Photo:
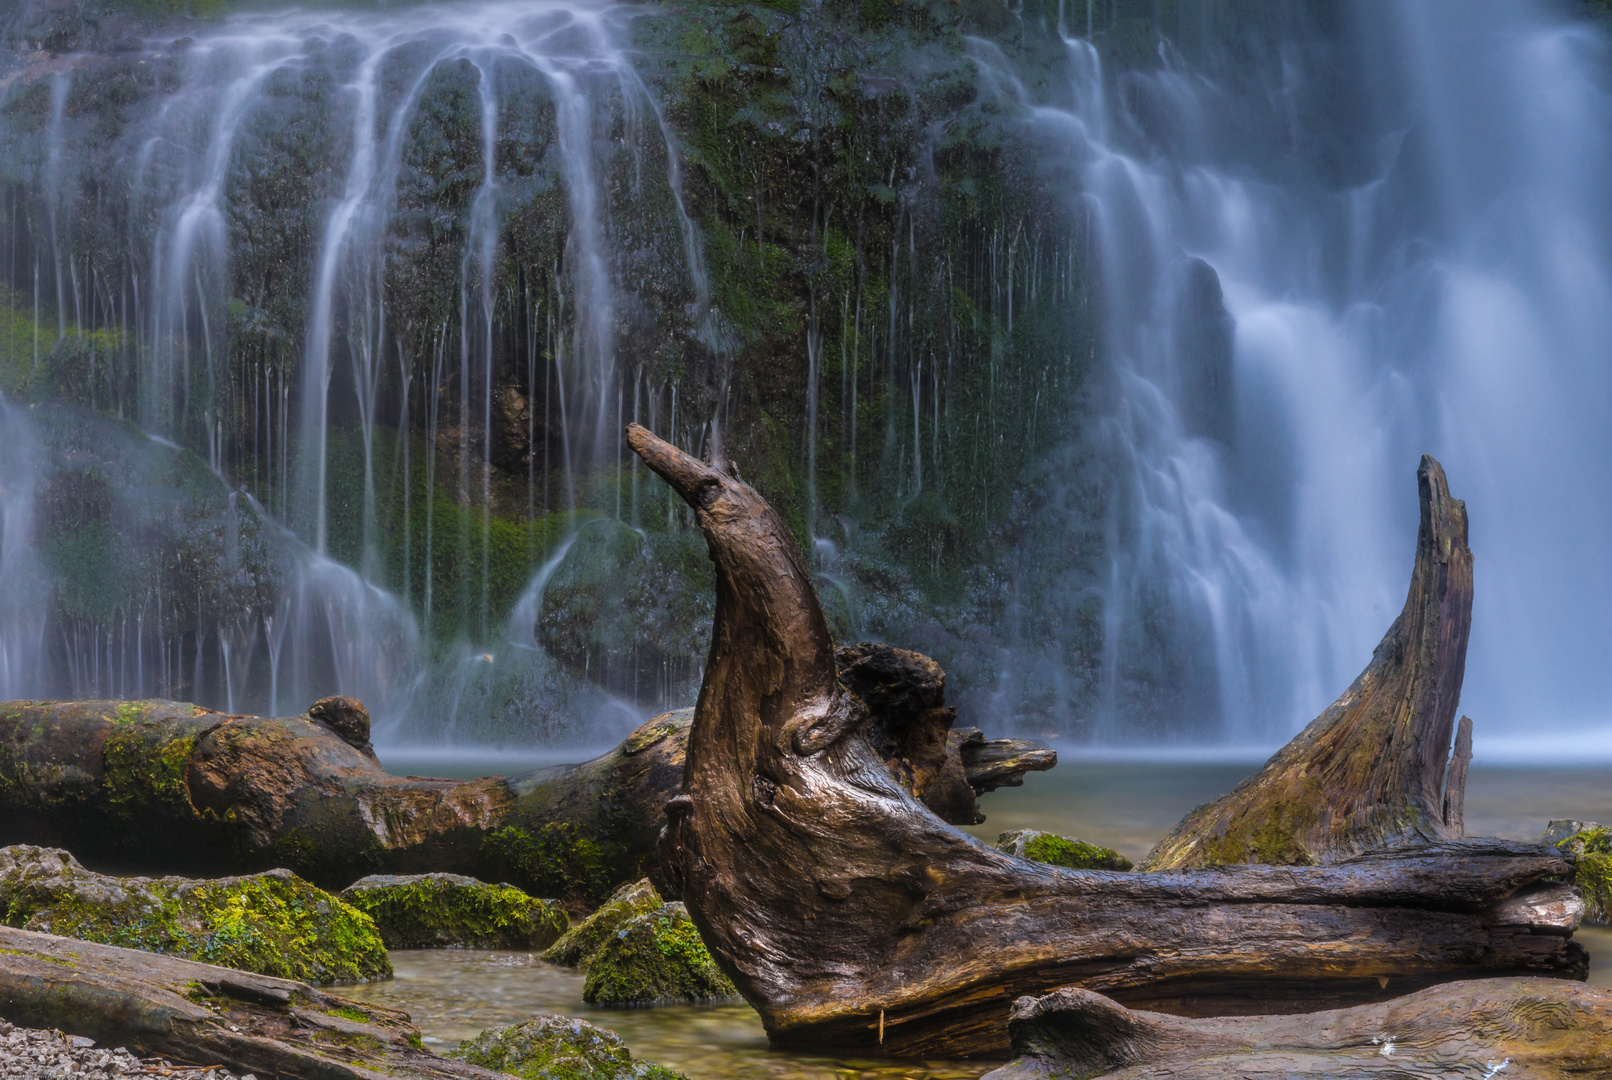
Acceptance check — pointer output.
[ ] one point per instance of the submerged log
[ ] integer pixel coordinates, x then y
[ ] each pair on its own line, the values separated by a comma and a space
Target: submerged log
197, 1014
852, 917
1334, 791
1539, 1028
166, 787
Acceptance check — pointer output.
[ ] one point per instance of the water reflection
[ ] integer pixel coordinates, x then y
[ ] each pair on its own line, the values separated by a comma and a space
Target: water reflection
454, 994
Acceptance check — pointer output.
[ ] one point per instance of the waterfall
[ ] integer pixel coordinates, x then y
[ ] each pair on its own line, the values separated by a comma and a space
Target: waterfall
1389, 237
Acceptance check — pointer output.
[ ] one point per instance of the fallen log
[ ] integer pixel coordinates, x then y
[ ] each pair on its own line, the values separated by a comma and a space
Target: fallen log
167, 787
198, 1014
851, 917
1540, 1028
1333, 792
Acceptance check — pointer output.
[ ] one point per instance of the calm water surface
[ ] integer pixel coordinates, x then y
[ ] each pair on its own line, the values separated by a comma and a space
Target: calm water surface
455, 993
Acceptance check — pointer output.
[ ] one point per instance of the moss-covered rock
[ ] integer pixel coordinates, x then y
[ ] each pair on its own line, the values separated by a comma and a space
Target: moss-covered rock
1060, 851
579, 944
656, 959
1591, 845
433, 911
553, 1047
273, 923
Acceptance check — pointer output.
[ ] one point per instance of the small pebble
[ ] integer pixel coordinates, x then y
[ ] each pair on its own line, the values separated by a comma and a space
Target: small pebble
28, 1054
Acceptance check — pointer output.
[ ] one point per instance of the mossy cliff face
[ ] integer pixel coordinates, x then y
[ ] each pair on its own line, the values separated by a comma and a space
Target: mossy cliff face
433, 911
273, 924
886, 309
553, 1047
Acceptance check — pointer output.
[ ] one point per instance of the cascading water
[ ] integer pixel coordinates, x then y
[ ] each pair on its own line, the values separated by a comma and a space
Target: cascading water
377, 97
1093, 358
1391, 238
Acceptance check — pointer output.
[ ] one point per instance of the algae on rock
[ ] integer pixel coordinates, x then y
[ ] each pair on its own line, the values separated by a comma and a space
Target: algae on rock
554, 1047
583, 941
656, 959
1591, 846
425, 911
272, 923
1062, 851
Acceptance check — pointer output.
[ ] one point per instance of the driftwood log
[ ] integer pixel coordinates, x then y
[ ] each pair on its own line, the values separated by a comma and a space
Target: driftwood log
166, 787
851, 917
1375, 768
1544, 1029
198, 1014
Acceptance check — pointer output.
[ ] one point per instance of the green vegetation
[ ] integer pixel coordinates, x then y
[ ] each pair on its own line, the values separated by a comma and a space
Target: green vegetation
1061, 851
439, 910
584, 940
1593, 872
653, 959
273, 923
557, 859
552, 1047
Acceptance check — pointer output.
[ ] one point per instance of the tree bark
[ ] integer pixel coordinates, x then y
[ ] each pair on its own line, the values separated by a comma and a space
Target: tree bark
1371, 770
165, 787
1539, 1028
203, 1015
851, 917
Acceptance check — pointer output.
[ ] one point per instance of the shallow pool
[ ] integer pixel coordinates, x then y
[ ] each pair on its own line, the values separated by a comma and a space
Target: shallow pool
454, 994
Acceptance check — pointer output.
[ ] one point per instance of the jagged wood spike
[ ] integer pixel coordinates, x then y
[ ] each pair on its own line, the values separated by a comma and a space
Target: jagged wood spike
1369, 771
845, 911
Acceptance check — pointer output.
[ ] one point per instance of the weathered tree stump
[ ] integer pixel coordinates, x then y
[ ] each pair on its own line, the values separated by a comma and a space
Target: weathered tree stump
851, 917
1373, 769
1543, 1029
203, 1015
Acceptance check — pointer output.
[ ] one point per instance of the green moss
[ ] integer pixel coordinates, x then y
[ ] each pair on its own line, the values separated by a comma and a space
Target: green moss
273, 924
1060, 851
551, 1047
1073, 854
439, 910
556, 860
584, 940
653, 959
144, 768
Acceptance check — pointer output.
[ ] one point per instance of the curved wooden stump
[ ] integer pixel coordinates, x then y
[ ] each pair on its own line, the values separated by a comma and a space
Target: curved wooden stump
1543, 1029
1371, 771
852, 918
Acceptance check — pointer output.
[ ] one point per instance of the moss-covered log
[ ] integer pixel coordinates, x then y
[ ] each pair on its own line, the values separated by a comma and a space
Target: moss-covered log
1540, 1028
203, 1015
167, 787
850, 916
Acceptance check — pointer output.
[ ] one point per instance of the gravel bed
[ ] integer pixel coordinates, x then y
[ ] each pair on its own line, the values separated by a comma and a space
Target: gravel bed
51, 1055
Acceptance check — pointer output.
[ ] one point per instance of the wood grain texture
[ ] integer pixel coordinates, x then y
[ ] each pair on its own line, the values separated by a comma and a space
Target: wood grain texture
842, 908
204, 1015
1371, 770
1543, 1029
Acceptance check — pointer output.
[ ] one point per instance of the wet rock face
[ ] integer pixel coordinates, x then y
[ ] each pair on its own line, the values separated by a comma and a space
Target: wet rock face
272, 924
433, 911
554, 1047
